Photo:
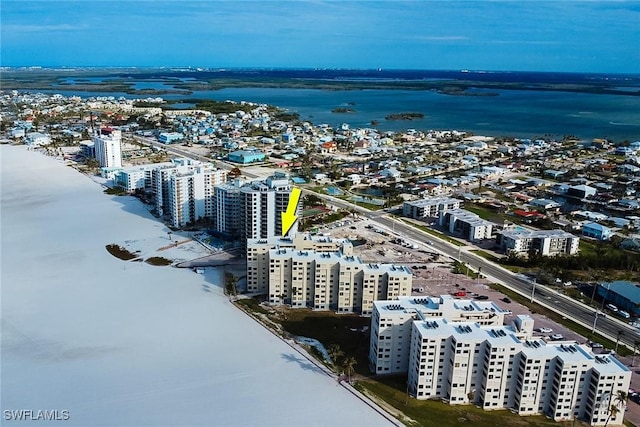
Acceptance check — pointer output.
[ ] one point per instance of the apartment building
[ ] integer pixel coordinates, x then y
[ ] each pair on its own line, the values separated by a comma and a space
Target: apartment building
107, 149
262, 205
258, 254
391, 325
138, 177
228, 208
321, 273
191, 193
545, 242
430, 207
466, 224
492, 365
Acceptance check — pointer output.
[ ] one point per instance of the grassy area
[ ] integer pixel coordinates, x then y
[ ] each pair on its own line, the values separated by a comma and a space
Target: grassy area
437, 413
563, 320
486, 213
120, 252
158, 261
330, 328
346, 331
253, 305
115, 191
433, 232
485, 255
365, 205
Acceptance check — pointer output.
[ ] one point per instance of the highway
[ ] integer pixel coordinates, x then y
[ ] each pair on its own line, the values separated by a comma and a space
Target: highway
606, 325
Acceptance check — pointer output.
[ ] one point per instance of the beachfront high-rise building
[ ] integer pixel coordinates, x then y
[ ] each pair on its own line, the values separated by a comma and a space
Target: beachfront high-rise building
228, 215
321, 273
184, 190
140, 177
262, 205
191, 193
107, 147
459, 351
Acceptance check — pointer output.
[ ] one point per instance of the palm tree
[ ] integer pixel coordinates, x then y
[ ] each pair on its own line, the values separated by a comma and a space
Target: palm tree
621, 398
348, 364
335, 352
613, 412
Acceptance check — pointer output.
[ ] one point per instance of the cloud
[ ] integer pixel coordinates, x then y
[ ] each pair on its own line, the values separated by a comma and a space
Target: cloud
530, 42
34, 28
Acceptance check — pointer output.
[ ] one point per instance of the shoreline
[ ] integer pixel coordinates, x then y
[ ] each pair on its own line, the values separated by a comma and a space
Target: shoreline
131, 343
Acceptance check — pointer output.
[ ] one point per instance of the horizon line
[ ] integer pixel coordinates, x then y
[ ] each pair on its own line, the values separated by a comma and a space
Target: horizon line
293, 68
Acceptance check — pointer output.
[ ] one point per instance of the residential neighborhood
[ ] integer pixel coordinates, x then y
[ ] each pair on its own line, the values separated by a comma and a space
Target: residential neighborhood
229, 168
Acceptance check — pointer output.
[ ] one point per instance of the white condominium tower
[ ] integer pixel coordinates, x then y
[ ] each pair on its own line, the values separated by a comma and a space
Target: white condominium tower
262, 205
460, 352
191, 193
228, 208
321, 273
184, 190
107, 147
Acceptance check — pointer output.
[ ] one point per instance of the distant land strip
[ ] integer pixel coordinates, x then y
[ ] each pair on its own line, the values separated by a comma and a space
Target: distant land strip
118, 81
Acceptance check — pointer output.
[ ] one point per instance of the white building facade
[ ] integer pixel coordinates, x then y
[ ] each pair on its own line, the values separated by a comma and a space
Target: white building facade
429, 207
466, 224
545, 242
191, 193
321, 273
107, 146
491, 365
262, 206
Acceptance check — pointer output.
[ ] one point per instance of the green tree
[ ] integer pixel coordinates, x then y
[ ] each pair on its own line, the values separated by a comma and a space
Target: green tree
335, 352
613, 412
348, 364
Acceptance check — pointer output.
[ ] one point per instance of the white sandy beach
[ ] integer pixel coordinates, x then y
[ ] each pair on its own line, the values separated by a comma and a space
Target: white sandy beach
129, 344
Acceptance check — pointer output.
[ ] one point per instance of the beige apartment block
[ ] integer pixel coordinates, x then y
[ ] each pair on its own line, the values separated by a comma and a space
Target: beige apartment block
492, 365
321, 273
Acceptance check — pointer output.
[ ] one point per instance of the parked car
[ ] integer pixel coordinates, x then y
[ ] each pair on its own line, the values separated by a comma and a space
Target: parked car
545, 330
482, 297
556, 337
612, 307
506, 299
624, 314
596, 345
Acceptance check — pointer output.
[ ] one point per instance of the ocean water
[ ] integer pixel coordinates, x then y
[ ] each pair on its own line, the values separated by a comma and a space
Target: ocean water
517, 113
511, 113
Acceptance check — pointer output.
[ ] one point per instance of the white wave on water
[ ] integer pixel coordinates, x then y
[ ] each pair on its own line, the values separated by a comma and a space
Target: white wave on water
624, 124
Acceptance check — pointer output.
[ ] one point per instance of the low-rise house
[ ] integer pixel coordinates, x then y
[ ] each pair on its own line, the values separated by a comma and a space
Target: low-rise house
247, 156
37, 139
597, 231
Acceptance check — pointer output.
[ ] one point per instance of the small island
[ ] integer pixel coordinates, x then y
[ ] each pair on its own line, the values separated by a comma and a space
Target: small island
404, 116
343, 110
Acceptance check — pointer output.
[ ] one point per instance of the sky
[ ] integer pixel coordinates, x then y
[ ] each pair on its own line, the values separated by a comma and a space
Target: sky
565, 36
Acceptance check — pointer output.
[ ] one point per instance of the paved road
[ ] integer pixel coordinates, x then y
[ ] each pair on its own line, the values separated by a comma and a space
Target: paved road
606, 325
173, 149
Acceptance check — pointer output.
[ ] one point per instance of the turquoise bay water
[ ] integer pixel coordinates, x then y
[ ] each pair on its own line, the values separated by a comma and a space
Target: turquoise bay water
517, 113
